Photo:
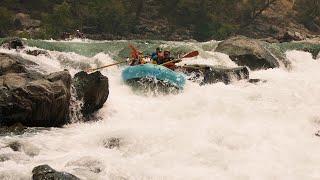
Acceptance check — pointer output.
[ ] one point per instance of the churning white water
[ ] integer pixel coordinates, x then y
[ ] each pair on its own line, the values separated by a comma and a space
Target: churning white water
238, 131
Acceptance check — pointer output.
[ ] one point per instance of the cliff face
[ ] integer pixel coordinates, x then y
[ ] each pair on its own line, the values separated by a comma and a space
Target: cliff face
275, 21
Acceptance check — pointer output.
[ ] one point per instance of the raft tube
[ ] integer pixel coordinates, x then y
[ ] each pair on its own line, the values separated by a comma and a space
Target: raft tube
154, 71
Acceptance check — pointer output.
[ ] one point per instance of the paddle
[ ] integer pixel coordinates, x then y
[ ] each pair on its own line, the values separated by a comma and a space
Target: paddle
102, 67
134, 53
189, 55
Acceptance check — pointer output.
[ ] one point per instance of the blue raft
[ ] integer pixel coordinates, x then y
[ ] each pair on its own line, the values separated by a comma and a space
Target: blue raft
154, 71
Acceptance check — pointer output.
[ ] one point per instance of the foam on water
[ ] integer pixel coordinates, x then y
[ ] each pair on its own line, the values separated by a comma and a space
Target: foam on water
238, 131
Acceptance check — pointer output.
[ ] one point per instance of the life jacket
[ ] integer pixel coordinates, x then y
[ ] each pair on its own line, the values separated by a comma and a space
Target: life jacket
154, 56
134, 52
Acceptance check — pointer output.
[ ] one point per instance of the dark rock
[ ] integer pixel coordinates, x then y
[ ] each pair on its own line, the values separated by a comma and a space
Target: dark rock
27, 97
16, 129
43, 172
37, 52
3, 158
62, 76
291, 36
13, 43
248, 52
112, 143
93, 89
214, 74
255, 81
27, 148
9, 65
15, 146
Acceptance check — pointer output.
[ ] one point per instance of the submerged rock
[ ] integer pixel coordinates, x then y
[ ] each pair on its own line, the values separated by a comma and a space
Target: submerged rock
93, 89
255, 81
43, 172
28, 148
214, 74
13, 43
87, 163
37, 52
248, 52
31, 98
15, 129
112, 143
291, 36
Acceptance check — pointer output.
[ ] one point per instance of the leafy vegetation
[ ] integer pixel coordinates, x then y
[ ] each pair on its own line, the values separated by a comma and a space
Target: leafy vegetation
205, 18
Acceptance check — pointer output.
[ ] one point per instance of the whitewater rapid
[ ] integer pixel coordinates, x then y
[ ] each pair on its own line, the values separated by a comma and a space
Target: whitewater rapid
237, 131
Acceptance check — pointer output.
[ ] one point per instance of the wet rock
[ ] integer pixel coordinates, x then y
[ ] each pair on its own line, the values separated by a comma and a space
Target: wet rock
13, 43
3, 158
248, 52
87, 164
27, 148
112, 143
46, 172
291, 36
16, 129
37, 52
31, 98
255, 81
93, 89
62, 76
15, 146
214, 74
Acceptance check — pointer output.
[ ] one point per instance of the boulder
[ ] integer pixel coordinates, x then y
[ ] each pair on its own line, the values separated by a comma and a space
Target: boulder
291, 36
12, 43
31, 98
248, 52
37, 52
28, 148
46, 172
9, 65
112, 143
15, 129
93, 89
214, 74
256, 81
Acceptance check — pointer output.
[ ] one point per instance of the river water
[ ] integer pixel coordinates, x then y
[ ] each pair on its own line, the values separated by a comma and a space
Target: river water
238, 131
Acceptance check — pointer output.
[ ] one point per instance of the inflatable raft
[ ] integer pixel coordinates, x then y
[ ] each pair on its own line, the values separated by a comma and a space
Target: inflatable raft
155, 73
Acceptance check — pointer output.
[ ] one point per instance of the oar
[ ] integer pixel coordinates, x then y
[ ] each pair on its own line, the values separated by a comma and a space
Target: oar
102, 67
189, 55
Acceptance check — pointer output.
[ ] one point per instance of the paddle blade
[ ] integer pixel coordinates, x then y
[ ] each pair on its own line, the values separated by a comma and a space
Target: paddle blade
191, 54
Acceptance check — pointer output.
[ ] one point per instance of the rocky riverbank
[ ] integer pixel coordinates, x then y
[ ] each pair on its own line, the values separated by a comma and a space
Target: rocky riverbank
43, 100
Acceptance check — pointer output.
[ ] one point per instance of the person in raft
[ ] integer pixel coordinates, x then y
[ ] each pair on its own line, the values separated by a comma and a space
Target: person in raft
136, 58
160, 56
